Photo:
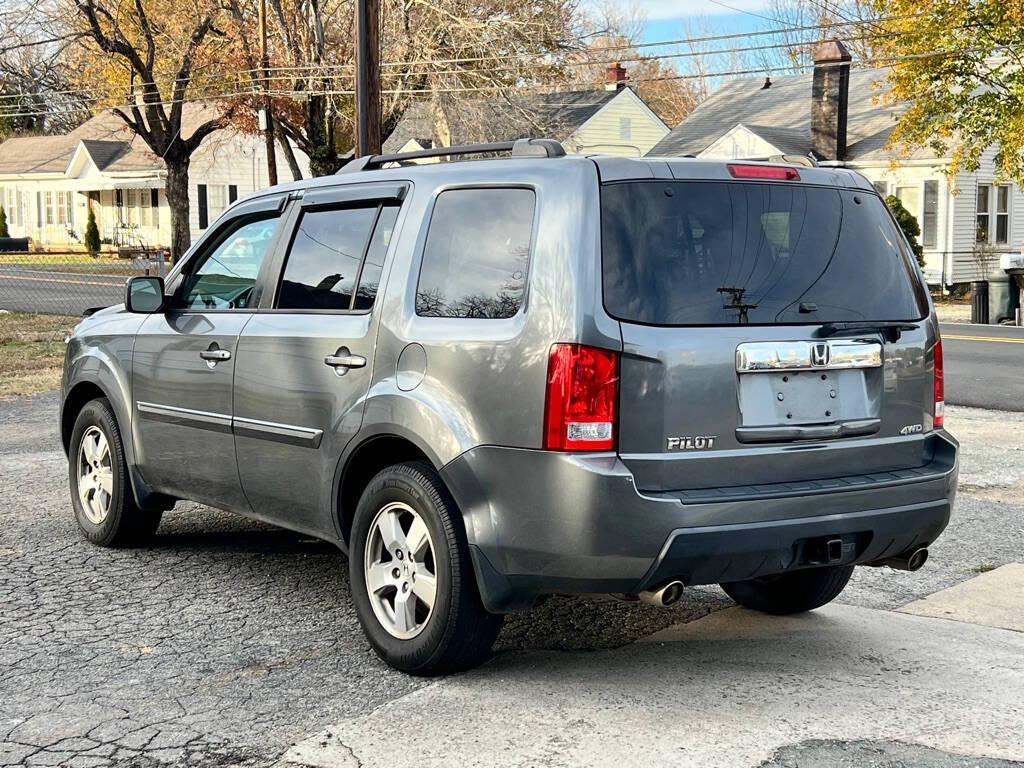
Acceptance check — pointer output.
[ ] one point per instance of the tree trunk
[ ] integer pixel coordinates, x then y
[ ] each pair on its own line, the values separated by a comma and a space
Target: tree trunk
289, 155
177, 200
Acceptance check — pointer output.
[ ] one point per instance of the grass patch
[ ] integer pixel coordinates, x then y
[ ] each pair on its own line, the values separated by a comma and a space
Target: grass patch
984, 568
31, 352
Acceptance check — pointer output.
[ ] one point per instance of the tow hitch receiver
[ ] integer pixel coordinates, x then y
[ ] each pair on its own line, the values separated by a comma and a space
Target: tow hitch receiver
824, 551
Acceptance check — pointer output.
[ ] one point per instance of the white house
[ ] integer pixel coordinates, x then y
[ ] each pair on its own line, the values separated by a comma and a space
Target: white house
48, 183
837, 115
610, 121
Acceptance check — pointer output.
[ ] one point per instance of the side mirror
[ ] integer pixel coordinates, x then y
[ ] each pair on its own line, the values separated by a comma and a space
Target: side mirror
144, 294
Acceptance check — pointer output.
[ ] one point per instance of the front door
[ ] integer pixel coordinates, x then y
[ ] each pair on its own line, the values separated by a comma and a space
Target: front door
184, 364
305, 359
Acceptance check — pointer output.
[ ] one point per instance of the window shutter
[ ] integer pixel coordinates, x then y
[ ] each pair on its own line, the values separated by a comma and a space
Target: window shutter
154, 198
232, 192
39, 209
204, 213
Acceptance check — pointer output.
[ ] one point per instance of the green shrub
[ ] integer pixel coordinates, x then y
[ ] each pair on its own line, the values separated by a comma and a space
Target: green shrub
92, 234
908, 223
3, 224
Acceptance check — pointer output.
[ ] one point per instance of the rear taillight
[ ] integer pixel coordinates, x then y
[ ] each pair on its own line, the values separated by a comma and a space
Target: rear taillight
776, 172
940, 394
579, 407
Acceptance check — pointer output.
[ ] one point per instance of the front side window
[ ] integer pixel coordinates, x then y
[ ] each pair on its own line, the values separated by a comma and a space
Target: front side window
225, 277
334, 263
477, 253
880, 187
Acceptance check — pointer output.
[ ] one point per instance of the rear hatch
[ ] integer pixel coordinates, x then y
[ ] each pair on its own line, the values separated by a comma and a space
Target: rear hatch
757, 327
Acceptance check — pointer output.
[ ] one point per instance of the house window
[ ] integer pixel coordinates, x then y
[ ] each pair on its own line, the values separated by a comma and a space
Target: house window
61, 212
625, 128
930, 215
133, 206
48, 207
881, 187
1002, 214
218, 199
984, 192
145, 209
911, 199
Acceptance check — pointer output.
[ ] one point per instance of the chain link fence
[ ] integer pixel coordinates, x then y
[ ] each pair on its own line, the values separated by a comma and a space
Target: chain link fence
43, 295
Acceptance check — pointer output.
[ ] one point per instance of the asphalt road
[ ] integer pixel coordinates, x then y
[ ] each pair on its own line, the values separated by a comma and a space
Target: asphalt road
53, 289
984, 365
226, 641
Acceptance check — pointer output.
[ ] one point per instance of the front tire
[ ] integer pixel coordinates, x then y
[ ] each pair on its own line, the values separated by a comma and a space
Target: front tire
793, 592
104, 505
412, 579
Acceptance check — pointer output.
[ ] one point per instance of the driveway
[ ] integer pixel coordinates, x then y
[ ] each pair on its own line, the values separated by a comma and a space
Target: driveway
228, 642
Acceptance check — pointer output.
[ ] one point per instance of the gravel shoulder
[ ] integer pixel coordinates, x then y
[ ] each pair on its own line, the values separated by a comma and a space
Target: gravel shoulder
228, 640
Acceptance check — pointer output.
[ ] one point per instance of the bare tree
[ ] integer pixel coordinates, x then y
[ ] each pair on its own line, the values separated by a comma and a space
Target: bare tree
159, 48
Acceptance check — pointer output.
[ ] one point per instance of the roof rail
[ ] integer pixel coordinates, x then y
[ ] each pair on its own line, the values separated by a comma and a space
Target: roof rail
517, 148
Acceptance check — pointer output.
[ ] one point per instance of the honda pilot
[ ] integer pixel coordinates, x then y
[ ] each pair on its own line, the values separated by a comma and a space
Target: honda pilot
495, 379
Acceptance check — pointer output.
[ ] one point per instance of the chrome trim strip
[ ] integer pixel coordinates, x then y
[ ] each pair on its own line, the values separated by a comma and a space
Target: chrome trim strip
280, 433
221, 422
215, 422
762, 356
783, 433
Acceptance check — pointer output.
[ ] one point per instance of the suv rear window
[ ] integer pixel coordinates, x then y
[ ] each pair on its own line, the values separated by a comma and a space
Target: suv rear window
723, 253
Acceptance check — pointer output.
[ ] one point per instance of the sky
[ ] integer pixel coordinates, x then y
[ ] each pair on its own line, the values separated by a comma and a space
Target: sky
666, 18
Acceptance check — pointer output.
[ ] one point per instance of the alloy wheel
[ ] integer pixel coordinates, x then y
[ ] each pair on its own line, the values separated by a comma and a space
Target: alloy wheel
400, 571
95, 475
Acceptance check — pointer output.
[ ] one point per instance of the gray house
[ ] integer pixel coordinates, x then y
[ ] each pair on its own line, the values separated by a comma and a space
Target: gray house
839, 116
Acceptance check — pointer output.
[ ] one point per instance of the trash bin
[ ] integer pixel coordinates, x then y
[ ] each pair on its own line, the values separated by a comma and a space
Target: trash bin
979, 302
1000, 299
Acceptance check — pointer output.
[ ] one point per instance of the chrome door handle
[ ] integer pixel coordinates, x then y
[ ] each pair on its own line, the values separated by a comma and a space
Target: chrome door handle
215, 354
345, 361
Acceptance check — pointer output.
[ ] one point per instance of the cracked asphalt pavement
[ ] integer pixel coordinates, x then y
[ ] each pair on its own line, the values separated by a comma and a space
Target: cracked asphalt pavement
222, 643
226, 641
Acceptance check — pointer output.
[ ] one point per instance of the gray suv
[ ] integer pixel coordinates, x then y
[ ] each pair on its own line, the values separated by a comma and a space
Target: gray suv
492, 380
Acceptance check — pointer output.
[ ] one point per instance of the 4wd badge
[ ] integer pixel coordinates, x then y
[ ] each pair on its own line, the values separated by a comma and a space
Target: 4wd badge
696, 443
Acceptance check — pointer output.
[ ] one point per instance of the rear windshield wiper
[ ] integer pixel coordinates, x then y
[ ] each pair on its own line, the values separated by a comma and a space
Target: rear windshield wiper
891, 329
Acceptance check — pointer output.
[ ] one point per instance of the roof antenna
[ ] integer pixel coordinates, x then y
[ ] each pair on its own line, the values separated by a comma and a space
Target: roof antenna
767, 84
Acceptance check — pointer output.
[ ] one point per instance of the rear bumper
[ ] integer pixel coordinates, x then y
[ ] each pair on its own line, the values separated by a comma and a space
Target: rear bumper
540, 522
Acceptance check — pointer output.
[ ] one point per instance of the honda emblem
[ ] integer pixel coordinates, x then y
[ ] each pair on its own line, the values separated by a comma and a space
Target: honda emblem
820, 354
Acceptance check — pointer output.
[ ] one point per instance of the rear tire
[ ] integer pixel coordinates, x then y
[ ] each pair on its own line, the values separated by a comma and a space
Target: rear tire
406, 525
793, 592
101, 493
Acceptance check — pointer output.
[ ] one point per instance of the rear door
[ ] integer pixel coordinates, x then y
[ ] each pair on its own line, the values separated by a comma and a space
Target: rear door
731, 374
304, 360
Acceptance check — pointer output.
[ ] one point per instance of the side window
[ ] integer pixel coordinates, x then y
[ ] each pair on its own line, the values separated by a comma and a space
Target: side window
477, 253
334, 262
224, 277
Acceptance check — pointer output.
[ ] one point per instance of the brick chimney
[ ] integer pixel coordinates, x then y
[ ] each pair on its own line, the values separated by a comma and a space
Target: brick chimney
830, 91
614, 77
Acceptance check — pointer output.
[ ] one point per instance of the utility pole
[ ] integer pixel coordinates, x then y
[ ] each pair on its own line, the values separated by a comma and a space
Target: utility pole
368, 139
266, 119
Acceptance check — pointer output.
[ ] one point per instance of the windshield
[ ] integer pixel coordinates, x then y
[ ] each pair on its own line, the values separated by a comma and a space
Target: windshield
723, 253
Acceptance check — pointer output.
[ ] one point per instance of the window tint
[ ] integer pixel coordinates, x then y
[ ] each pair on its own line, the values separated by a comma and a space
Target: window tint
323, 263
710, 253
477, 253
225, 277
369, 278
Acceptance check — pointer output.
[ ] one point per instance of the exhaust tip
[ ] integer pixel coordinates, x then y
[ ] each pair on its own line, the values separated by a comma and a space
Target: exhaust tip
665, 596
917, 559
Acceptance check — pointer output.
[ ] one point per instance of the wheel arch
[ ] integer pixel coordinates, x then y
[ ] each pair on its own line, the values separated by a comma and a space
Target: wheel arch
370, 454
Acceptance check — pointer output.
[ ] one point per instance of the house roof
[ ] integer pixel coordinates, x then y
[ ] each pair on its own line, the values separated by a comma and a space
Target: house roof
553, 115
113, 147
781, 115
